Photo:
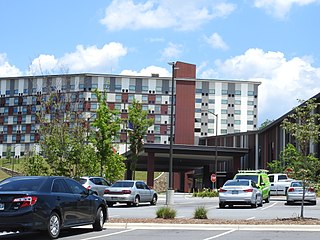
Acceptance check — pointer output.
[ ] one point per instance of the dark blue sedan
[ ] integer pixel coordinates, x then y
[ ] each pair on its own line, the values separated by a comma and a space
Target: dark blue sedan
48, 203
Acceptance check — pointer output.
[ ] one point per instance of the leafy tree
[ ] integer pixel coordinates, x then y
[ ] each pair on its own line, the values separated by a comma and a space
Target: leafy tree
107, 124
265, 123
63, 138
139, 123
303, 126
35, 165
287, 157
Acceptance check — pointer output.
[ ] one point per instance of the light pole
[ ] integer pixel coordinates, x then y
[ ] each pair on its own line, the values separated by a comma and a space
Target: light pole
216, 147
170, 191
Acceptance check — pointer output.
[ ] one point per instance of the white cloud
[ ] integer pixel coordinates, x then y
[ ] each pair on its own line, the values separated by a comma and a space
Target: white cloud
93, 58
172, 51
283, 80
83, 59
216, 41
281, 8
158, 14
44, 64
148, 71
7, 70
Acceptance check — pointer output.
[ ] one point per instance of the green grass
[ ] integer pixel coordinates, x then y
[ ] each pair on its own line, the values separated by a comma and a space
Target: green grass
142, 175
3, 175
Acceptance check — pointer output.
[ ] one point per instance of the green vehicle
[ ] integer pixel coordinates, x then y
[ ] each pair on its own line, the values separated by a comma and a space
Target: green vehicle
260, 177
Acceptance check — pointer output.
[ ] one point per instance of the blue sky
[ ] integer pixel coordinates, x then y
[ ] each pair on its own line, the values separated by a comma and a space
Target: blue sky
275, 42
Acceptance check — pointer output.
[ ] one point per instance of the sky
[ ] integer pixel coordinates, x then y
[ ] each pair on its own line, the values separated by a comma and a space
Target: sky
275, 42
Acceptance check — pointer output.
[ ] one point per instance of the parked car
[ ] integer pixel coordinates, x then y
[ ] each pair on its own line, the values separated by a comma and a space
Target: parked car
295, 192
260, 177
130, 192
48, 203
96, 184
279, 183
240, 192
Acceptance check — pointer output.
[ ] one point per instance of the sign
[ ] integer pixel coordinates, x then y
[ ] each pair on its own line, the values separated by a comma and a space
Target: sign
213, 177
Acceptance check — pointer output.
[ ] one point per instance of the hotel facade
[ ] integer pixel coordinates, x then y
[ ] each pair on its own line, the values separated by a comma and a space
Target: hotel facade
198, 104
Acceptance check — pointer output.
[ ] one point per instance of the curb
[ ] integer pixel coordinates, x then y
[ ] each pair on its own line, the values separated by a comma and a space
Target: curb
240, 227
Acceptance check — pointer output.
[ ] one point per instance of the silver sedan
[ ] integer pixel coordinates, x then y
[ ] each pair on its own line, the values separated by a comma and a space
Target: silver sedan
240, 192
295, 191
130, 192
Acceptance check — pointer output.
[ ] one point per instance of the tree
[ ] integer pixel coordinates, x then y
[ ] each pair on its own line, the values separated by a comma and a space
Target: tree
63, 137
287, 157
107, 124
35, 165
139, 123
303, 126
265, 123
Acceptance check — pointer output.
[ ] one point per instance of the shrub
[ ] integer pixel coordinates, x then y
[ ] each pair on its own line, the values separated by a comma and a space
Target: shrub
206, 193
200, 213
166, 213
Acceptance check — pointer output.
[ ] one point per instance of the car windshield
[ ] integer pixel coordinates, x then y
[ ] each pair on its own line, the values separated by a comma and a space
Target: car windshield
82, 180
237, 183
25, 184
296, 184
250, 177
122, 184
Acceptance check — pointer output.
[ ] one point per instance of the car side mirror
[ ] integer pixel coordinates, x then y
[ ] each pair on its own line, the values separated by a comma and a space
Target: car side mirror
262, 184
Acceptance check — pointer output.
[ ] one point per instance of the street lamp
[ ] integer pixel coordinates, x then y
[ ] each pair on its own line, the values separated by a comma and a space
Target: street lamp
216, 146
170, 191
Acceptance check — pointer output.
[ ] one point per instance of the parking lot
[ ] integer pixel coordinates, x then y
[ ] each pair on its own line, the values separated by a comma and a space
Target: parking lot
185, 205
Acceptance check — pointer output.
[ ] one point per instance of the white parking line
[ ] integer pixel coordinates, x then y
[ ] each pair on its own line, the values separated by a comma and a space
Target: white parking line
221, 234
250, 218
107, 235
264, 208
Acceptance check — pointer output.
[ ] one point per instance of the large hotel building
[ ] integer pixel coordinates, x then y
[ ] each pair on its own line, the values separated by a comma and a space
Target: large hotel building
198, 104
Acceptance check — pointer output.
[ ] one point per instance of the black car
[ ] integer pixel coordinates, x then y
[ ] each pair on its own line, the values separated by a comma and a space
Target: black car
48, 203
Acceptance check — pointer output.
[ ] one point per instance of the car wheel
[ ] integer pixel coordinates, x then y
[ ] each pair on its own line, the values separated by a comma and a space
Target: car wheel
290, 202
261, 202
136, 201
99, 220
54, 225
267, 200
221, 205
255, 204
154, 200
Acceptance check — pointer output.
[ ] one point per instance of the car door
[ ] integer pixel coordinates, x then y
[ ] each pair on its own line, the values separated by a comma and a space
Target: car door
85, 211
66, 201
143, 192
100, 185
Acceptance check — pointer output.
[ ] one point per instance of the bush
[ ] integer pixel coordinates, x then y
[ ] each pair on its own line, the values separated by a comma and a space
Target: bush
206, 193
166, 213
200, 213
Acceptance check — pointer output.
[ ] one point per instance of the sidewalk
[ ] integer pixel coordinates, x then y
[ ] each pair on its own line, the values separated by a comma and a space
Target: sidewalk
239, 227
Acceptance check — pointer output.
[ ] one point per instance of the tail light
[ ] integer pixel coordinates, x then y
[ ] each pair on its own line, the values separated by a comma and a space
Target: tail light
291, 189
26, 201
126, 191
248, 190
88, 187
222, 190
311, 189
106, 191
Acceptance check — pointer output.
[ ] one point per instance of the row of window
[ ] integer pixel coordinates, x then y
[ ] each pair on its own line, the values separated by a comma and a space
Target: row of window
223, 92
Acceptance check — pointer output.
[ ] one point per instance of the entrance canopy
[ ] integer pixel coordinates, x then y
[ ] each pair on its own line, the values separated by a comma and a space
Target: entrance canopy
185, 157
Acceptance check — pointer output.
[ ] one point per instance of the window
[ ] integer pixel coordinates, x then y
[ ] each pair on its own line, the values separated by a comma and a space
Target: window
249, 112
249, 122
224, 111
59, 186
158, 88
237, 122
158, 99
198, 90
237, 112
117, 87
250, 103
132, 87
212, 91
224, 92
224, 101
145, 88
118, 97
224, 121
144, 99
250, 93
198, 100
75, 187
212, 101
237, 92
